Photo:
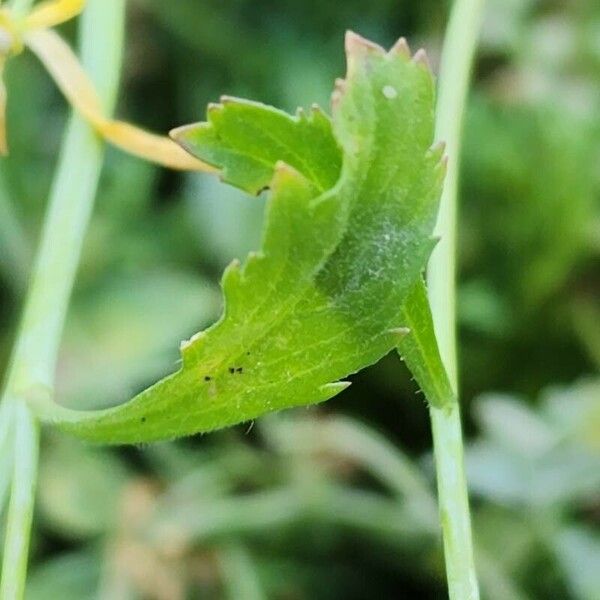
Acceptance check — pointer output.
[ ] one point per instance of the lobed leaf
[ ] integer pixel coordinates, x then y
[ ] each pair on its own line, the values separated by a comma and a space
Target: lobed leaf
337, 280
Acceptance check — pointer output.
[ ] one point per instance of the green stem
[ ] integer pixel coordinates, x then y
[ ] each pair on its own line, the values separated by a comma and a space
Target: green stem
34, 357
454, 503
6, 451
21, 7
20, 513
457, 58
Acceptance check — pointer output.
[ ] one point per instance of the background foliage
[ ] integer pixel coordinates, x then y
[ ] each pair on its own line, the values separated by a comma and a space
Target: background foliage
319, 504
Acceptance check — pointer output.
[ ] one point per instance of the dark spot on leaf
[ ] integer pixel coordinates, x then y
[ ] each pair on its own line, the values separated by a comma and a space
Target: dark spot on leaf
143, 419
231, 370
207, 378
240, 369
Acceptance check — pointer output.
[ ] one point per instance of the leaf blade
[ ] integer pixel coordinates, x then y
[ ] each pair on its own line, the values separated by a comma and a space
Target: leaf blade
347, 236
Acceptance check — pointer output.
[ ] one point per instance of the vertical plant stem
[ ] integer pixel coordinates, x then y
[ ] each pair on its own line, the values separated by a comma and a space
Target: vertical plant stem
6, 452
20, 512
457, 58
34, 357
21, 7
454, 504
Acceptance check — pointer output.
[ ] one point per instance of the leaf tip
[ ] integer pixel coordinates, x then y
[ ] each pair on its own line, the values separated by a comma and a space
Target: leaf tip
181, 135
400, 48
186, 345
329, 390
214, 107
439, 160
438, 149
421, 59
232, 273
434, 240
357, 45
224, 100
442, 168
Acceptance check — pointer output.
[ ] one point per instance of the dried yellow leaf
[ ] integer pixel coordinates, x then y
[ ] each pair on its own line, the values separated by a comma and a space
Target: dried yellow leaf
74, 83
51, 13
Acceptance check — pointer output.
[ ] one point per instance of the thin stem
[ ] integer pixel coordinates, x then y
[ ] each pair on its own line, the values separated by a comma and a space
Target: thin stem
454, 504
20, 513
21, 7
6, 451
457, 58
34, 357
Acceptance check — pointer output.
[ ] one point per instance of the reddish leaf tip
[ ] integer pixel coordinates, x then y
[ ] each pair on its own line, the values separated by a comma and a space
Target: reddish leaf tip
401, 48
420, 58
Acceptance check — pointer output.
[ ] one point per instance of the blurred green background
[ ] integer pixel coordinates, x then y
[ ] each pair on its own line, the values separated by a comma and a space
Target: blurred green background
335, 502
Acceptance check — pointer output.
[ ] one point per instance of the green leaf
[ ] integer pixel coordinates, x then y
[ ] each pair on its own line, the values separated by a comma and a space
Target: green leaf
246, 140
348, 229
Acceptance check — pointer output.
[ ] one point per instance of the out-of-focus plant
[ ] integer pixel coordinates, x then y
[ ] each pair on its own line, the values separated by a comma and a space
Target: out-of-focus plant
538, 205
535, 192
312, 474
541, 466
